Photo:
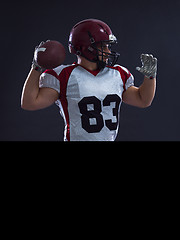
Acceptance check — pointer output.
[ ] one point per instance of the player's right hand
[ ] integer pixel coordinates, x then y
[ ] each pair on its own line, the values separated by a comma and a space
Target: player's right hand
35, 65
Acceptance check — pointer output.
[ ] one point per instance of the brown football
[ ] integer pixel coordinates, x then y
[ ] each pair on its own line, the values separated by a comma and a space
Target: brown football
51, 54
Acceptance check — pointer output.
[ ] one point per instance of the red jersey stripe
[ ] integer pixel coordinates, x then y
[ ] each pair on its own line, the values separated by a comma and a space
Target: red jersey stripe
63, 78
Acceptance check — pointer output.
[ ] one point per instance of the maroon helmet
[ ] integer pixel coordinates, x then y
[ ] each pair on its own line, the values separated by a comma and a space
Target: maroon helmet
89, 34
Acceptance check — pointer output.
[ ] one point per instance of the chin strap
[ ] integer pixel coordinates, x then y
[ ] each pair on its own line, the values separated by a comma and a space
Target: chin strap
112, 56
101, 64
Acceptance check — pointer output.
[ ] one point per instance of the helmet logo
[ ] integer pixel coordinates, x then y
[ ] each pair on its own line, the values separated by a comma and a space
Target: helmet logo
112, 38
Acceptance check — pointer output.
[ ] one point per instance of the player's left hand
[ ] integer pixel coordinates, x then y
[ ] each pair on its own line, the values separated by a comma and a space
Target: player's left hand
149, 66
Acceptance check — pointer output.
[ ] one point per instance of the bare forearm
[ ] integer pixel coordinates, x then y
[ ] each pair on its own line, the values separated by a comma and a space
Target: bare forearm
30, 89
147, 91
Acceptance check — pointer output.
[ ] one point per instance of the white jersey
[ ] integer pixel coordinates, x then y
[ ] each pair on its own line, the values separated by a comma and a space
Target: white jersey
89, 101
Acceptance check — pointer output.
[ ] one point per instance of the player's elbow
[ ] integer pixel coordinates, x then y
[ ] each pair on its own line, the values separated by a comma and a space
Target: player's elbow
28, 106
146, 104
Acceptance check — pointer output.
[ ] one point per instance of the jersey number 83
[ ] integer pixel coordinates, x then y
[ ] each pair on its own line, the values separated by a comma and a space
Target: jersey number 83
92, 117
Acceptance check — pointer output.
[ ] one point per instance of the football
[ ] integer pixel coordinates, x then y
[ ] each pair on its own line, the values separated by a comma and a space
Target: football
51, 54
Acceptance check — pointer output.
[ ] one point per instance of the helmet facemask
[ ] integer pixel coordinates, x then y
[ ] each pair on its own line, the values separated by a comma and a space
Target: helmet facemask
102, 57
105, 58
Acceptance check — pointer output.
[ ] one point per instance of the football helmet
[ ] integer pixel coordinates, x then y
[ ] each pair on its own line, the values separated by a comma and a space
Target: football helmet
87, 39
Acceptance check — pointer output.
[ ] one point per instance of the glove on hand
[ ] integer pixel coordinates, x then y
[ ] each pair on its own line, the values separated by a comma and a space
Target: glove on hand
149, 66
35, 65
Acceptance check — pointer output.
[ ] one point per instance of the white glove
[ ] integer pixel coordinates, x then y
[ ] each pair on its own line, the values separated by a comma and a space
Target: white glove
35, 65
149, 66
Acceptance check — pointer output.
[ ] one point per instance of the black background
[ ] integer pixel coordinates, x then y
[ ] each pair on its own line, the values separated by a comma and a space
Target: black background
140, 27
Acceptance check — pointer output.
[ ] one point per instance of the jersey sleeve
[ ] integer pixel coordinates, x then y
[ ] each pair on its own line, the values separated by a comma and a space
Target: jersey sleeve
49, 79
127, 77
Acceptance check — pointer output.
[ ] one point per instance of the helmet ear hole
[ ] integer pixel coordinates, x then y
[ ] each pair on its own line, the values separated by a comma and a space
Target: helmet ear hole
76, 50
78, 53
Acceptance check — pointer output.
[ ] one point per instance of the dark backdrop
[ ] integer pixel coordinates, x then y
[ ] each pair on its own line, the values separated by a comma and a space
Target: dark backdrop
140, 26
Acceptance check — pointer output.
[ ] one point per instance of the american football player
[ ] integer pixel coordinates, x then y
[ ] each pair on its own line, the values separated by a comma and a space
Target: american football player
89, 93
